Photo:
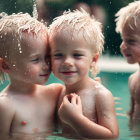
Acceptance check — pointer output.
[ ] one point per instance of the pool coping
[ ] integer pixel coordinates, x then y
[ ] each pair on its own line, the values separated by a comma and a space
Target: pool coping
108, 63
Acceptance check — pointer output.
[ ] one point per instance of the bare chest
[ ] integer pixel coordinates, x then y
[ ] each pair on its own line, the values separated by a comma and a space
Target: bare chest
33, 116
88, 106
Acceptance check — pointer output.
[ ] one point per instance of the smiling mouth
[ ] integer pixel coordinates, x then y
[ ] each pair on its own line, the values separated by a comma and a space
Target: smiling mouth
44, 75
68, 73
127, 55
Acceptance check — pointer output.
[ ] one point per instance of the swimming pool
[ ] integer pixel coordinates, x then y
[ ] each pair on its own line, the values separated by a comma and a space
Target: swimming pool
117, 83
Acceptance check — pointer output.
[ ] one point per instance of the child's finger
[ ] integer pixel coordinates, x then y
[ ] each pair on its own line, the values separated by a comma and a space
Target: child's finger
65, 99
73, 99
79, 100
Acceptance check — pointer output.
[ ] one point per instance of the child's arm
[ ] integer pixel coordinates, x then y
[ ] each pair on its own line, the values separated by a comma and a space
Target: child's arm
6, 116
132, 101
107, 127
131, 111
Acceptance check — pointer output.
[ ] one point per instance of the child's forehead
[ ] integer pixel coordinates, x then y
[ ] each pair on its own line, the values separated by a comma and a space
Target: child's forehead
131, 26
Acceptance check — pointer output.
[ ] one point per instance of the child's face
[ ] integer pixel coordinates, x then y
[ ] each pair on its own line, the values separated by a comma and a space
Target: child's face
130, 46
71, 59
31, 65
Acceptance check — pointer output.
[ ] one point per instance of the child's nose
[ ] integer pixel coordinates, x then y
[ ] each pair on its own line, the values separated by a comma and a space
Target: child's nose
68, 61
123, 46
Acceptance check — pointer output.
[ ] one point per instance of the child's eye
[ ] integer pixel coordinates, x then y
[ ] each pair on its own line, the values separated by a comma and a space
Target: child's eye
58, 55
130, 42
35, 60
77, 55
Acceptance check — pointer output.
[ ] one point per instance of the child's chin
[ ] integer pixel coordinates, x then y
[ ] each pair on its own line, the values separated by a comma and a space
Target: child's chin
131, 61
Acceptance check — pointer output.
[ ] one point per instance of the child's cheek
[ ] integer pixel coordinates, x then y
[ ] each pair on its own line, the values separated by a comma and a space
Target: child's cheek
30, 72
55, 66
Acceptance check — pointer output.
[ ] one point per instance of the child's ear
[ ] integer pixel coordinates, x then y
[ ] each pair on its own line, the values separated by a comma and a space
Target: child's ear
4, 66
95, 58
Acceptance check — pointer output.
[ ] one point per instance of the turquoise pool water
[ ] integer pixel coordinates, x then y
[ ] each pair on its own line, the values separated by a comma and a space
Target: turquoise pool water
117, 83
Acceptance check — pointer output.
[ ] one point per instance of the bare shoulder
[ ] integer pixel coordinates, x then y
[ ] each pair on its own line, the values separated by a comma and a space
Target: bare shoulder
133, 77
103, 95
4, 100
54, 89
7, 112
133, 81
6, 105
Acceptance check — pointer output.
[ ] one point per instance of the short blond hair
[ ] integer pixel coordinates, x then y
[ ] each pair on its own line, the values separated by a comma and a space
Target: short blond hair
131, 12
12, 26
79, 20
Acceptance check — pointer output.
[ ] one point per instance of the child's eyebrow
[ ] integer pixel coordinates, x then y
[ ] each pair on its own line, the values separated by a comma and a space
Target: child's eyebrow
79, 50
34, 55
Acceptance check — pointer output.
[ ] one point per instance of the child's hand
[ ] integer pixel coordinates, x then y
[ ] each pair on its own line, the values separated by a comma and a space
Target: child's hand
70, 108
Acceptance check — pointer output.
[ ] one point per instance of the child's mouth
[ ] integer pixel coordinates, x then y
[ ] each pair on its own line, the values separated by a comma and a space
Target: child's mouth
126, 55
68, 72
44, 75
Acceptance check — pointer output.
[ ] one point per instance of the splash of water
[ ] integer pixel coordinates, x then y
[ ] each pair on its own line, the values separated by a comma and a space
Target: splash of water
35, 13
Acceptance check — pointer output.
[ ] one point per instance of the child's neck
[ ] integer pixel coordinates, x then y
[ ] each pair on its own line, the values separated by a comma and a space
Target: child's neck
76, 87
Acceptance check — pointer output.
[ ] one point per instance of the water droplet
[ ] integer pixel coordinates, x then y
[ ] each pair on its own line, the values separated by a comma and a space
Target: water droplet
35, 13
15, 5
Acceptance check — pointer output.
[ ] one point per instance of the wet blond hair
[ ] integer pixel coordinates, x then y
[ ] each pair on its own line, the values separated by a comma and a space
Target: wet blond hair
79, 21
12, 27
129, 14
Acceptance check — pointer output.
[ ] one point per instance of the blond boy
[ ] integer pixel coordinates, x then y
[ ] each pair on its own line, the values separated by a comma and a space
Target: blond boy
87, 109
26, 107
128, 25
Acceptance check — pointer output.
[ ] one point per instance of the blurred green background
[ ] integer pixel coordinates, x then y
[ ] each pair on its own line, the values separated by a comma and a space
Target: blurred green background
56, 7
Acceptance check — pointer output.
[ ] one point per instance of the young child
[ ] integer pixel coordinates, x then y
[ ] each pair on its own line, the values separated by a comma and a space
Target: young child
26, 107
127, 24
76, 40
